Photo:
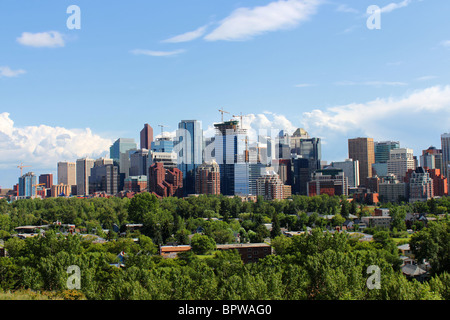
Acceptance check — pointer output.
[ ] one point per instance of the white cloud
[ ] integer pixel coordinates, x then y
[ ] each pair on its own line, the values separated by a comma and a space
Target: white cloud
188, 36
8, 72
394, 6
445, 43
346, 9
157, 53
43, 146
303, 85
364, 116
245, 23
425, 78
49, 39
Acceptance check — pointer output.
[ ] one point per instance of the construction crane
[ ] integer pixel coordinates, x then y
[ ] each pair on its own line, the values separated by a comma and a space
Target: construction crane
241, 116
21, 166
37, 185
162, 129
222, 112
247, 152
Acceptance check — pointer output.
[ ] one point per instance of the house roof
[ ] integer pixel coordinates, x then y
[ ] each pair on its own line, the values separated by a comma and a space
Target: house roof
412, 270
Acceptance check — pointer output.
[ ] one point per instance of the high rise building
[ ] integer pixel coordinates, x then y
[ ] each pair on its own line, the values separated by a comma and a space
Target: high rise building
27, 185
393, 190
47, 179
383, 148
146, 137
401, 160
301, 177
165, 182
189, 148
104, 177
283, 146
351, 170
270, 186
297, 137
330, 181
120, 153
138, 162
230, 149
420, 185
432, 159
136, 184
362, 149
208, 178
445, 146
67, 173
84, 167
168, 159
162, 144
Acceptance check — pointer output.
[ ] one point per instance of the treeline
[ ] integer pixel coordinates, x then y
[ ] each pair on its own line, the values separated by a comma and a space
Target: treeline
316, 266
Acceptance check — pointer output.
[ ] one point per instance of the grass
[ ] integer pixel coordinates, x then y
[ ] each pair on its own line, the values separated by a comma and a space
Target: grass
41, 295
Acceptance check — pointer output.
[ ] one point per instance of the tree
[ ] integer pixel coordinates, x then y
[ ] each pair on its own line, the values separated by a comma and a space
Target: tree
276, 230
142, 204
202, 244
433, 245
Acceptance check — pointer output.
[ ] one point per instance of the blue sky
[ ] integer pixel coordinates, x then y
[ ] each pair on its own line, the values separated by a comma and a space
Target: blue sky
287, 63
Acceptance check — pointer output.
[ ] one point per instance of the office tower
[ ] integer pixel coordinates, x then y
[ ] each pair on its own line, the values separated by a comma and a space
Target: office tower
362, 149
283, 148
67, 173
445, 146
351, 170
420, 185
373, 184
27, 185
432, 158
393, 190
330, 181
138, 162
440, 183
104, 177
230, 149
47, 179
311, 149
189, 148
208, 178
136, 184
383, 148
165, 182
146, 137
168, 159
120, 153
245, 176
269, 186
401, 160
162, 144
84, 167
284, 170
301, 177
297, 137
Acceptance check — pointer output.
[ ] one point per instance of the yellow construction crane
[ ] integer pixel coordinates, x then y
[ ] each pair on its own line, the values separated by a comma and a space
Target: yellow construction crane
21, 166
222, 112
37, 185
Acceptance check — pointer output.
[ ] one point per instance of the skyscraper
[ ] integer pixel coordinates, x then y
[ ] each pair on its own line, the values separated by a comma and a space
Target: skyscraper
351, 170
84, 167
47, 179
67, 173
189, 148
383, 148
362, 149
146, 137
165, 182
445, 146
104, 177
27, 185
120, 153
208, 178
401, 160
229, 143
269, 186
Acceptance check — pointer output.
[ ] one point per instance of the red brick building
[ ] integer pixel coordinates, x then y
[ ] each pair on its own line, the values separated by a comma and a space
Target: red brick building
165, 182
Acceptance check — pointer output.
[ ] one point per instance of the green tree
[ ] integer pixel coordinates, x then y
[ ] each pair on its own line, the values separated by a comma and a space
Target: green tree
202, 244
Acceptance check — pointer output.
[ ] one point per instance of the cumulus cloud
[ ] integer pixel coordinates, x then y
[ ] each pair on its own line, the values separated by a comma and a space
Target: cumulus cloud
43, 146
394, 6
49, 39
9, 73
245, 23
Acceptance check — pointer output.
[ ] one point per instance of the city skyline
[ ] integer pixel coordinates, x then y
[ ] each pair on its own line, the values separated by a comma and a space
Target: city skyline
66, 94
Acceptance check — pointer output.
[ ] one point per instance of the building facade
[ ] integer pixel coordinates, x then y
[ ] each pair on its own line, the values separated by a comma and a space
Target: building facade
362, 149
84, 167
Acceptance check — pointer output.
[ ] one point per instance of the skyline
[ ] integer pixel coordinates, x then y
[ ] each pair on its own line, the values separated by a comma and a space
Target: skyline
69, 93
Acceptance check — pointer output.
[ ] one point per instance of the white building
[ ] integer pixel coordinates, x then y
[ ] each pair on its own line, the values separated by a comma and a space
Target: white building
400, 161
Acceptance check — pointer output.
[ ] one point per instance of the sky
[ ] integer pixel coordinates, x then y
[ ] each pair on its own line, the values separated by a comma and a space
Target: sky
68, 92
